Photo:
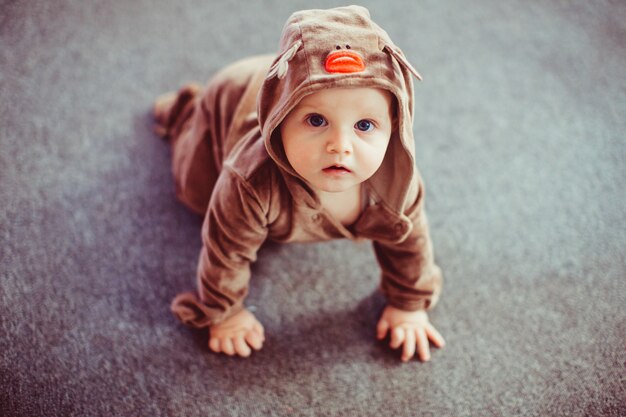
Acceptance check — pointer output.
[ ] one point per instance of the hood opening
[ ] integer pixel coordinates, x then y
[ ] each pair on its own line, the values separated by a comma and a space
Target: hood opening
342, 48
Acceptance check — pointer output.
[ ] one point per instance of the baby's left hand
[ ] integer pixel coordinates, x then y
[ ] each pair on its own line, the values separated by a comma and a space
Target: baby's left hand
409, 328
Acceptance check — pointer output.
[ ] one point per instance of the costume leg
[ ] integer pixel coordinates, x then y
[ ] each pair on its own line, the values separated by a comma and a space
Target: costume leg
198, 122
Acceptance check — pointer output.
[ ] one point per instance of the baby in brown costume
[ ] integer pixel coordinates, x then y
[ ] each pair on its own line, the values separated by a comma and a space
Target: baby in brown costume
313, 144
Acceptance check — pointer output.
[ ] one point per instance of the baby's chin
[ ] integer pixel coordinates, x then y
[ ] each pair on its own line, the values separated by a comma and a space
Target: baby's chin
335, 183
335, 186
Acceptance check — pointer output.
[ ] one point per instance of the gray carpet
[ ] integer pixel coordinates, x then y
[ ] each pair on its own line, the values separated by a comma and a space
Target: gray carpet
520, 132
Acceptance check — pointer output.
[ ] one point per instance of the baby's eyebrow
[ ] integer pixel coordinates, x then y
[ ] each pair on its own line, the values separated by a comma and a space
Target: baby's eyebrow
301, 107
376, 115
373, 113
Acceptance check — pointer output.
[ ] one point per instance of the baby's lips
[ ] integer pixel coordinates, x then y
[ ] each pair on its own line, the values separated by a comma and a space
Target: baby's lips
336, 167
344, 62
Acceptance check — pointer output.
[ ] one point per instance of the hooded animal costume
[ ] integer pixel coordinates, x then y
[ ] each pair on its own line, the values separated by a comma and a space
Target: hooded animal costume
229, 164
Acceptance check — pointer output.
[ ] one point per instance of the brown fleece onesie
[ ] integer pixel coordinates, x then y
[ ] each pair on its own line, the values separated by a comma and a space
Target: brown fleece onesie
229, 164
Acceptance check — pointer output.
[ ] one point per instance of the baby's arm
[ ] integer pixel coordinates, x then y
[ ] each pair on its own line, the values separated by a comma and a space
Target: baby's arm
411, 282
233, 230
409, 329
237, 334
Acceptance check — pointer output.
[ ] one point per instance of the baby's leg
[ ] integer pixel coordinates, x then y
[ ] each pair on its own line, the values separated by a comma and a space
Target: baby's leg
180, 119
199, 123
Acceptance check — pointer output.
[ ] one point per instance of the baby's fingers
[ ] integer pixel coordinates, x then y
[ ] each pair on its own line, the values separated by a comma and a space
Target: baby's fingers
409, 345
258, 327
435, 336
382, 329
423, 349
241, 347
254, 339
214, 344
397, 337
227, 346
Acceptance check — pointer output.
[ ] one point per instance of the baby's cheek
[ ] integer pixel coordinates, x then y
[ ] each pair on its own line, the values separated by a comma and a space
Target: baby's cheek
372, 159
302, 161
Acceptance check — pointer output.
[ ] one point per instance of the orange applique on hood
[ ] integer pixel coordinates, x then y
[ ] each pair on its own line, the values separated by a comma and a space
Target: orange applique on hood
344, 61
342, 48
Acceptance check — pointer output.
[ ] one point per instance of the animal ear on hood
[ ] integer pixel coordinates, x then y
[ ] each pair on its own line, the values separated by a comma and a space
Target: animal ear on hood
281, 66
399, 56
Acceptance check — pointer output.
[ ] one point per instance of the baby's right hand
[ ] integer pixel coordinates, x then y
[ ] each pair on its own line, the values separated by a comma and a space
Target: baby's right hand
237, 334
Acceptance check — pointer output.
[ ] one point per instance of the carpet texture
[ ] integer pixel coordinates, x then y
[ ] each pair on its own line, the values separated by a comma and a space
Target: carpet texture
521, 137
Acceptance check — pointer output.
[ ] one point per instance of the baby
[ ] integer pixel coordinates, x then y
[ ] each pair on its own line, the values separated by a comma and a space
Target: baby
313, 144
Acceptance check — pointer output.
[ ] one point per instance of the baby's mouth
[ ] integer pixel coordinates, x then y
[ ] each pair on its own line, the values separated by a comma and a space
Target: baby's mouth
336, 169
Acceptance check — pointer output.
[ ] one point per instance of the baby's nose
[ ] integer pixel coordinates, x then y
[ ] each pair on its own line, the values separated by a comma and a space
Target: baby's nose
339, 142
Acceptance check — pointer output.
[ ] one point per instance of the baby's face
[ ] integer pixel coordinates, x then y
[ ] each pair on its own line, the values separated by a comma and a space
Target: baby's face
337, 138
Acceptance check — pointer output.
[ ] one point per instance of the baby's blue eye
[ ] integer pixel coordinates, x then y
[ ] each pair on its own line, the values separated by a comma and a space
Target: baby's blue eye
364, 125
316, 120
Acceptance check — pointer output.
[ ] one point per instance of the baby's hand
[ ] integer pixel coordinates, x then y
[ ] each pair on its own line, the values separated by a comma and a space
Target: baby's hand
410, 328
237, 334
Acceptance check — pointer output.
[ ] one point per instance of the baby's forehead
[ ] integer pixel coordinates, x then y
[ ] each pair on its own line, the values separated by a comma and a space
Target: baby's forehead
366, 98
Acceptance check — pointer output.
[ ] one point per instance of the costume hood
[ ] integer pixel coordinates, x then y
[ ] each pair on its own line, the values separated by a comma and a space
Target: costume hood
342, 47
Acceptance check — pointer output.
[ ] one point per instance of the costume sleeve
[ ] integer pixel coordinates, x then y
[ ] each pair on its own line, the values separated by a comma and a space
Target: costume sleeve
410, 279
234, 228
